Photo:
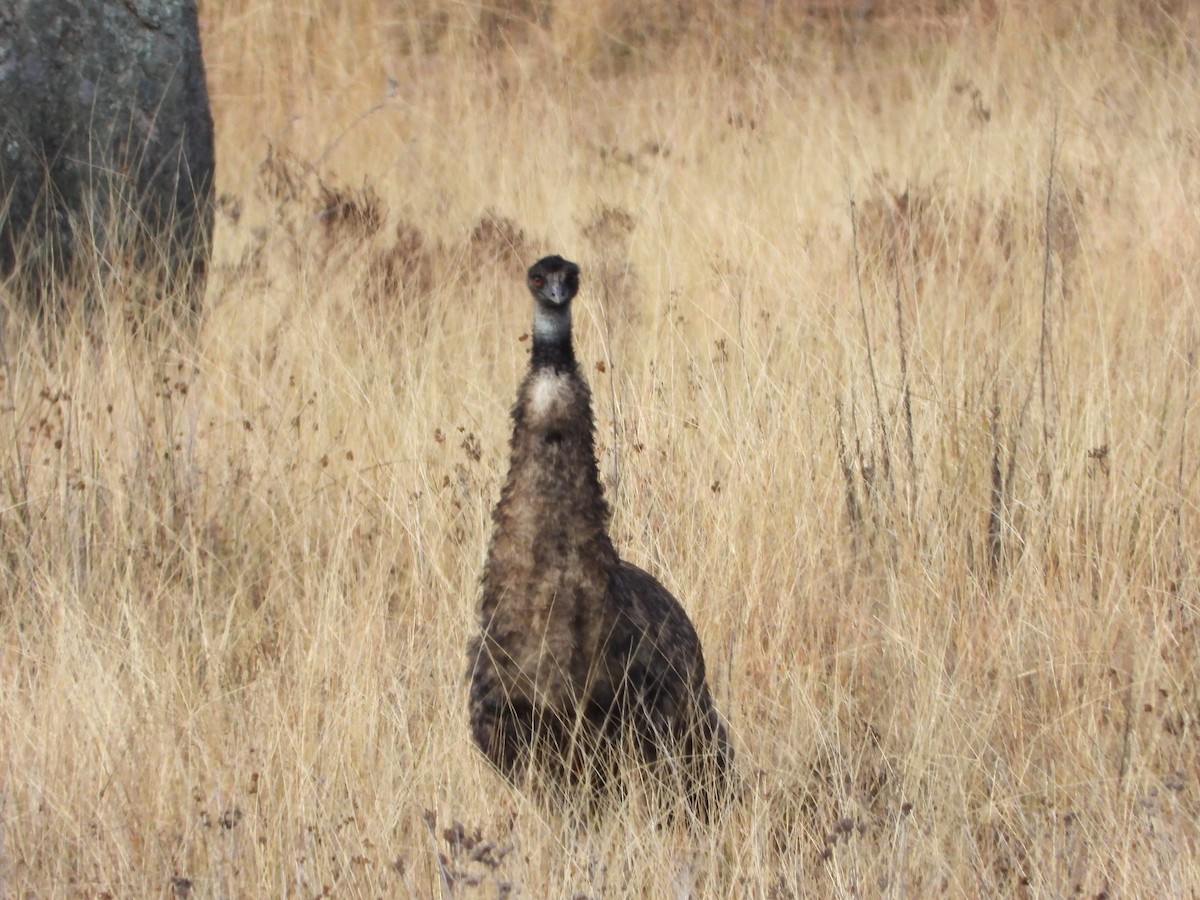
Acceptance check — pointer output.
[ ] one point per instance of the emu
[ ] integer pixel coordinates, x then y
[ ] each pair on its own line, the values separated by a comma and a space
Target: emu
583, 660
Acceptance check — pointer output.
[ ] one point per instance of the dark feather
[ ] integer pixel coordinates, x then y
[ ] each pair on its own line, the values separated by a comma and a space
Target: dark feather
581, 658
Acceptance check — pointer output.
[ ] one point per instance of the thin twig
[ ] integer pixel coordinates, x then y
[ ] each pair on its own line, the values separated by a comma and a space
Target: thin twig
429, 817
1126, 729
995, 543
606, 314
142, 20
1045, 346
311, 167
910, 443
862, 308
1183, 431
853, 511
21, 502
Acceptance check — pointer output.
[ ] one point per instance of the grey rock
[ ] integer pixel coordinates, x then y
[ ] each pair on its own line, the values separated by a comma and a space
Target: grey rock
106, 136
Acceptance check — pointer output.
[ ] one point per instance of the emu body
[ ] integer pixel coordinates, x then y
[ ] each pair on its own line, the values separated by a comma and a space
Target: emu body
580, 656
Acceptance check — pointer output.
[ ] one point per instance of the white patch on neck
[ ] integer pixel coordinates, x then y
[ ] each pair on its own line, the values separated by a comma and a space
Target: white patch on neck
553, 327
548, 393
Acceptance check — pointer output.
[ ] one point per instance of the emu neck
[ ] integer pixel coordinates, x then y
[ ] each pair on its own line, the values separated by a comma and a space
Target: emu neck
551, 561
552, 347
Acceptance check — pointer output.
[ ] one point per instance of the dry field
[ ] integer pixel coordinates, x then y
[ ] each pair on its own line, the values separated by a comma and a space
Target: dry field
892, 322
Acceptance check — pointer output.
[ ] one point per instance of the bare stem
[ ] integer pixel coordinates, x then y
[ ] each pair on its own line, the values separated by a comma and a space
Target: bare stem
1187, 404
862, 308
1045, 346
909, 441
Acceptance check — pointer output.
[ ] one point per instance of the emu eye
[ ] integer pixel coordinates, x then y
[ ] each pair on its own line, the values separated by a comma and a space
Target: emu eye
538, 281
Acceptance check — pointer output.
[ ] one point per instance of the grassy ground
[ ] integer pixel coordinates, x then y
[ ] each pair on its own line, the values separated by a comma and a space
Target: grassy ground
892, 326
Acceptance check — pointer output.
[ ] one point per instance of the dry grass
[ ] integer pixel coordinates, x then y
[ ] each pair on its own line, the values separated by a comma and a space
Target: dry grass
906, 417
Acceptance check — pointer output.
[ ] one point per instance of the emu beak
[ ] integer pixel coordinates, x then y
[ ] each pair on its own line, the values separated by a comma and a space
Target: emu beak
557, 293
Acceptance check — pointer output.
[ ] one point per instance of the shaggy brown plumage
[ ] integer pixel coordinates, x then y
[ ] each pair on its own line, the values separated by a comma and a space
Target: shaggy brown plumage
581, 657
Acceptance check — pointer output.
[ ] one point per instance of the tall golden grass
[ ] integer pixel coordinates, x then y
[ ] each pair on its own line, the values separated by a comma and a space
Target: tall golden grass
891, 322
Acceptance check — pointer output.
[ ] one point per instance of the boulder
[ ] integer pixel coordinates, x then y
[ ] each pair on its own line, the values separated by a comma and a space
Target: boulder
106, 137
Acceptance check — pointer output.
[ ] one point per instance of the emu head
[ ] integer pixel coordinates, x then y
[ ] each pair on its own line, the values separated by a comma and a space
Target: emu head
553, 281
